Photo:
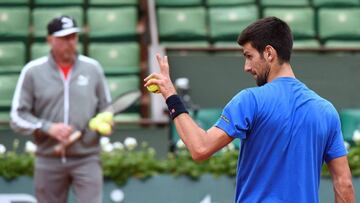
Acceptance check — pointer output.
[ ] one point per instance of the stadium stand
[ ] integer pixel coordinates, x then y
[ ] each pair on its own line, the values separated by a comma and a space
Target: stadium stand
14, 23
322, 3
7, 88
121, 84
112, 2
224, 44
112, 23
284, 3
226, 22
58, 2
117, 58
347, 21
229, 2
15, 2
223, 21
178, 2
308, 23
187, 44
182, 24
12, 57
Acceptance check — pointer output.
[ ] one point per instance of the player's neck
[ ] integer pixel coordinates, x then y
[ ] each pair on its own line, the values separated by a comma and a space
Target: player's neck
283, 70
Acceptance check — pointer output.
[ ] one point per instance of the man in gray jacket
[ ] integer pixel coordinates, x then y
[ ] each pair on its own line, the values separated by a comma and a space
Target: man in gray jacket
56, 95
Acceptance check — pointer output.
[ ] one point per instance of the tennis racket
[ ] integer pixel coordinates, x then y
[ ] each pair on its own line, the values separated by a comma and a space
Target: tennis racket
120, 104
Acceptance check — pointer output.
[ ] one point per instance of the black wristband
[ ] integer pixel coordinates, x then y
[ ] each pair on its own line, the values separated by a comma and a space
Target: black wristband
175, 106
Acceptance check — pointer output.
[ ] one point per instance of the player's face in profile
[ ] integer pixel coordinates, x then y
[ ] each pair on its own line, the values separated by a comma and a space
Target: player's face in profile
255, 64
64, 47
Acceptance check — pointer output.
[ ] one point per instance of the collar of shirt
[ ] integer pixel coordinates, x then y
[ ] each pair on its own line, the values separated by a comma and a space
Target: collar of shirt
65, 70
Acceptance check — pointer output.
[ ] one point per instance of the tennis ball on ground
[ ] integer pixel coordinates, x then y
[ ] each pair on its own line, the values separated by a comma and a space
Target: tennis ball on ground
153, 88
94, 123
104, 128
106, 117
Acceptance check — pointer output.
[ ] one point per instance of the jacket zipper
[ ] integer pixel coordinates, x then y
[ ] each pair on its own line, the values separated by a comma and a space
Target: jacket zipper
66, 83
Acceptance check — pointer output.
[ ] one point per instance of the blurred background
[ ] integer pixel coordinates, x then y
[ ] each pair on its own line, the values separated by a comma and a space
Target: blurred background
199, 36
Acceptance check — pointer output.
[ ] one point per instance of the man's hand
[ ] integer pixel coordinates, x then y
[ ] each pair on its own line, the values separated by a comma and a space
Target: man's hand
162, 79
60, 131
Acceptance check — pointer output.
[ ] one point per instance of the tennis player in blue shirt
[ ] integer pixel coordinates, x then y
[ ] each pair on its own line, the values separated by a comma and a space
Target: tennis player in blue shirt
287, 131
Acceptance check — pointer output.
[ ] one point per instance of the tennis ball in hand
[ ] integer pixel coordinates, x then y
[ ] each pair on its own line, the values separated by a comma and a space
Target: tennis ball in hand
106, 117
104, 128
94, 123
153, 88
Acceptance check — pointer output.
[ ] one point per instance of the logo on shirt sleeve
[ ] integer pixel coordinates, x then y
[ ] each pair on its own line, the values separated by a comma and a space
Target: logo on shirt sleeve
225, 119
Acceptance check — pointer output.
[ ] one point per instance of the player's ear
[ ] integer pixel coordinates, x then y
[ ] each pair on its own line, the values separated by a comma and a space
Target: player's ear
269, 53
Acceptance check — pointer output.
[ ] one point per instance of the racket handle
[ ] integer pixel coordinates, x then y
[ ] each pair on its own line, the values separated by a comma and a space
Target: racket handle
72, 138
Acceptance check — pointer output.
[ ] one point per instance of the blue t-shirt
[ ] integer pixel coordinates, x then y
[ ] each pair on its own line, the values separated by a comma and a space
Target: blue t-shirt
287, 132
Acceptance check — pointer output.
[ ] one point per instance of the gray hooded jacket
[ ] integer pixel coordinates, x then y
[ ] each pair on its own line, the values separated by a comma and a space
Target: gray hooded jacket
43, 96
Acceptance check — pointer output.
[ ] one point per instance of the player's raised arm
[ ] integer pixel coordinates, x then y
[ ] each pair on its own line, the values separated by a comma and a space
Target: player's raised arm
201, 144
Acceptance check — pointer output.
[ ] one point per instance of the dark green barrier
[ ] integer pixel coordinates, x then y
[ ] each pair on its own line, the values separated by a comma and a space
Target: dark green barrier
215, 78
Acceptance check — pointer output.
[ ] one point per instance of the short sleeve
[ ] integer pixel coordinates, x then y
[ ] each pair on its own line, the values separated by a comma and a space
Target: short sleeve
335, 146
238, 115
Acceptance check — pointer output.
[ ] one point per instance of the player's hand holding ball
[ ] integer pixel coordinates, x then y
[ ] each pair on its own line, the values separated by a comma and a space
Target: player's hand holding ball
160, 82
102, 123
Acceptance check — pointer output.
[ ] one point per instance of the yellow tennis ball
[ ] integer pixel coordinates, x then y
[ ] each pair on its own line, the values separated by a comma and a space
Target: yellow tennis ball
106, 117
94, 123
104, 128
153, 88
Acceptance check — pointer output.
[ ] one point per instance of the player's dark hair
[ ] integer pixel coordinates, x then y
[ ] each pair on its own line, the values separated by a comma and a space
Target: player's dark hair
269, 31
